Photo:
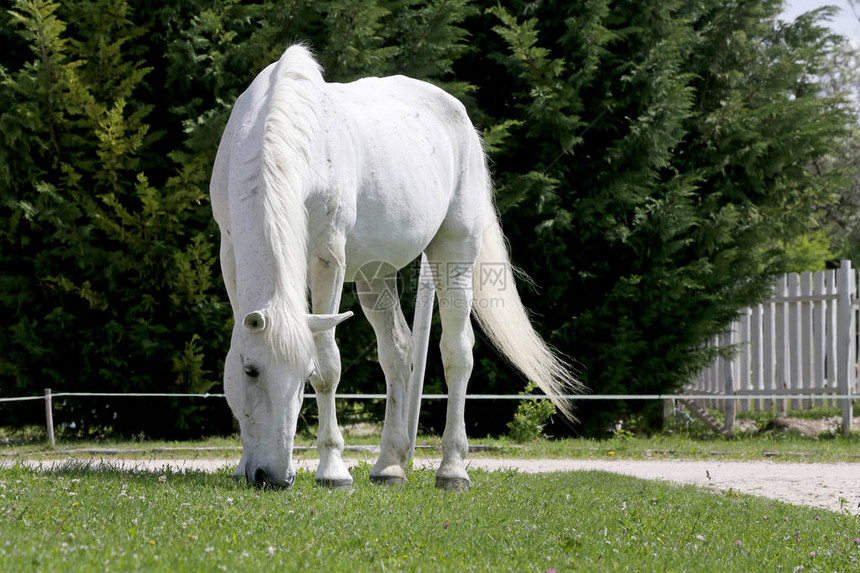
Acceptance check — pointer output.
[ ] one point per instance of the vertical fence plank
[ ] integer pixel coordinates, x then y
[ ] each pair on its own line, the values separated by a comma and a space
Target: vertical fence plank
845, 324
756, 365
729, 381
768, 333
794, 352
832, 303
818, 336
782, 345
713, 381
805, 375
744, 357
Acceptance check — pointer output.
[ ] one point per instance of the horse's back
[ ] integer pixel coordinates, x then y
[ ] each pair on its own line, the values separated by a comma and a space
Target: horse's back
414, 144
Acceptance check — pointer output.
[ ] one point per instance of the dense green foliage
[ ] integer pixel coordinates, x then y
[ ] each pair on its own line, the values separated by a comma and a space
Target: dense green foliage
653, 159
84, 519
657, 163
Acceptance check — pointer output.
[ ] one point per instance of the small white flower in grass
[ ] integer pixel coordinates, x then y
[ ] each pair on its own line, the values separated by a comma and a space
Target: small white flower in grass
162, 479
700, 537
270, 551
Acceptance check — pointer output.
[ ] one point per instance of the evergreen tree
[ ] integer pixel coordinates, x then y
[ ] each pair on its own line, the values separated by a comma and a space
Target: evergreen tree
107, 279
652, 159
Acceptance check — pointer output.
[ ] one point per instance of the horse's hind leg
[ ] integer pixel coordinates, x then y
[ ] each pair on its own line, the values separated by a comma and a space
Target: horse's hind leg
453, 263
327, 271
381, 305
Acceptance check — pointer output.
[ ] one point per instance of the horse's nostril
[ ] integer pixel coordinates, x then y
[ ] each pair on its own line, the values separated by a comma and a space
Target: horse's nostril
260, 477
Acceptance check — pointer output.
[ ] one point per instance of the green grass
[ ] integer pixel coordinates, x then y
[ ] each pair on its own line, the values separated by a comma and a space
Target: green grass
681, 443
85, 519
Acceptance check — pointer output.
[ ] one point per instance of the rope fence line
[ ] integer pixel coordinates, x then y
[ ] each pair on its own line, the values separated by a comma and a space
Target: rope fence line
49, 396
572, 397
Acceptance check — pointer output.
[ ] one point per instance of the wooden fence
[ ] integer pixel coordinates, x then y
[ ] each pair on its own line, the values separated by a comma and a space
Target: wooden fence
796, 350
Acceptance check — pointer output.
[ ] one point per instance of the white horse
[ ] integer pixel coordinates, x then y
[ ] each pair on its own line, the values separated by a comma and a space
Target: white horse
314, 181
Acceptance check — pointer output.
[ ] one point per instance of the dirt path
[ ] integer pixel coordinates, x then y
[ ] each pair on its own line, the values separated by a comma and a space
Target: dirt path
834, 487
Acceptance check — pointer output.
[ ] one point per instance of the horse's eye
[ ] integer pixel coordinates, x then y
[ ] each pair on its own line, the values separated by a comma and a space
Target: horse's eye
252, 371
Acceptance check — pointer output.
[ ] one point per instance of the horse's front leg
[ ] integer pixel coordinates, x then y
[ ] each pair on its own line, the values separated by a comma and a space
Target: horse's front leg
326, 281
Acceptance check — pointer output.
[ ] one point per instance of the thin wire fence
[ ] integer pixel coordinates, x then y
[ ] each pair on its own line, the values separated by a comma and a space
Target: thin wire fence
572, 397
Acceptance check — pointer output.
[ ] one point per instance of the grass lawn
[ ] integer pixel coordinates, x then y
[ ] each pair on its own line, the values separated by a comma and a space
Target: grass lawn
83, 519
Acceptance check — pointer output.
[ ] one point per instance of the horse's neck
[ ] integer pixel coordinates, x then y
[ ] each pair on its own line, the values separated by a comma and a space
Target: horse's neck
256, 276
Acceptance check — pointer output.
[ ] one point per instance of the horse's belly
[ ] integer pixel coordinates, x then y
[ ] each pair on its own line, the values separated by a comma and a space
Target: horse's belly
376, 248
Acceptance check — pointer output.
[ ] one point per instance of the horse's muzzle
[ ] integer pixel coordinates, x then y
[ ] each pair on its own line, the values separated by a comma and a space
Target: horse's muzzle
264, 480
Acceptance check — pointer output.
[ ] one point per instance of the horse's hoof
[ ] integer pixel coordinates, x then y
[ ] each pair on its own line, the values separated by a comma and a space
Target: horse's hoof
387, 480
453, 484
339, 484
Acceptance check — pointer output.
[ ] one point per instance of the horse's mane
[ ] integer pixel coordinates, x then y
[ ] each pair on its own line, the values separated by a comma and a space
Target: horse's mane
291, 125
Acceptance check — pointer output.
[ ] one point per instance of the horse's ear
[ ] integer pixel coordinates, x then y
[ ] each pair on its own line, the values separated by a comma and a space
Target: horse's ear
323, 322
255, 321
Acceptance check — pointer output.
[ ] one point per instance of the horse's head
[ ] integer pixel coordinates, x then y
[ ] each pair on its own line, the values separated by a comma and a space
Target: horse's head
265, 393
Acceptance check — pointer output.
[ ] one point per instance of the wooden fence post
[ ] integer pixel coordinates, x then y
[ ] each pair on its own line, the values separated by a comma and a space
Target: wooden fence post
846, 330
49, 417
668, 412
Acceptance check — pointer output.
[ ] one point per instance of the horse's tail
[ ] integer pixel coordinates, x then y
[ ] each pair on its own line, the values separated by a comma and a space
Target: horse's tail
500, 313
